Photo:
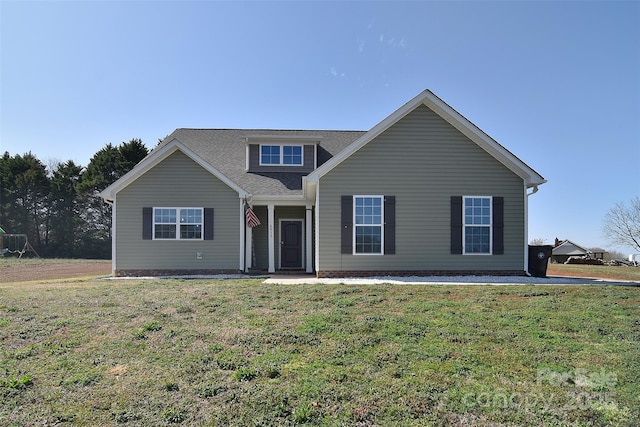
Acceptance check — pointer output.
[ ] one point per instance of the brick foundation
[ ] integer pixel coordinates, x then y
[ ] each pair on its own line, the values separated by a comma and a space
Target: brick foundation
418, 273
157, 273
325, 273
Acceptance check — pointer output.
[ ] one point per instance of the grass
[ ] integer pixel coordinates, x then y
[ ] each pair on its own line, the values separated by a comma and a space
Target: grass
600, 271
13, 261
238, 352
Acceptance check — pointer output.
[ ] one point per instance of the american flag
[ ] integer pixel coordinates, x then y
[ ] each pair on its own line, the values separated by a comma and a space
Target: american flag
252, 219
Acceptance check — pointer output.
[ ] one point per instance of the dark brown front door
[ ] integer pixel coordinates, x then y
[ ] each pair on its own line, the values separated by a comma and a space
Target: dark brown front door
291, 244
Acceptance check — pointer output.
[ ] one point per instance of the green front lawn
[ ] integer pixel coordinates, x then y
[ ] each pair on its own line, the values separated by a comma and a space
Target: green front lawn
238, 352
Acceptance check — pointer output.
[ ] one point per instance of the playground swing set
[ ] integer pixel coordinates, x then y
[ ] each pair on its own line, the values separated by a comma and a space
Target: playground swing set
15, 244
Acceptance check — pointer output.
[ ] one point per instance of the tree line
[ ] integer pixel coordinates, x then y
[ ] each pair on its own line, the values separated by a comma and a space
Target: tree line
58, 206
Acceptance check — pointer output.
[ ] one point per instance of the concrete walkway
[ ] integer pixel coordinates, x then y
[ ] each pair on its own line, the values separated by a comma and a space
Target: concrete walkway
309, 279
445, 280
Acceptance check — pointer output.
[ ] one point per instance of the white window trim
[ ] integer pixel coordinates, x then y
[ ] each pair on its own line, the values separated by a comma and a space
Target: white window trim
177, 223
381, 225
281, 155
464, 226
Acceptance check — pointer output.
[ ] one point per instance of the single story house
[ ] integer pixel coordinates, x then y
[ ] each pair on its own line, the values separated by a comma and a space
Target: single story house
565, 249
423, 192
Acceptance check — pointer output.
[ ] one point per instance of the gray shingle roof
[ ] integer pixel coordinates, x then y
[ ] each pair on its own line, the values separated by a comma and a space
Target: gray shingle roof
225, 150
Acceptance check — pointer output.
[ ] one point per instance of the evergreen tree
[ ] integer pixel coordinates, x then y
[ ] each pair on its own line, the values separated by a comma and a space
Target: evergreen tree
65, 211
105, 167
23, 197
61, 212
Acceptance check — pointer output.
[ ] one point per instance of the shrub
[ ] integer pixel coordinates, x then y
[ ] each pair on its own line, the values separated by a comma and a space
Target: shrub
83, 379
123, 417
211, 390
152, 327
229, 360
174, 415
184, 309
171, 387
303, 413
273, 373
244, 374
17, 383
584, 261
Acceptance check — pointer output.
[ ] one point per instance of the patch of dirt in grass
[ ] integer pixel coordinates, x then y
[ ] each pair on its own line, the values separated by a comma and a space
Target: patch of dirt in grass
117, 370
64, 269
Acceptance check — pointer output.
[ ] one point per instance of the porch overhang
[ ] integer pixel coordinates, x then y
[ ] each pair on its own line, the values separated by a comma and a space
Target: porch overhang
265, 200
273, 241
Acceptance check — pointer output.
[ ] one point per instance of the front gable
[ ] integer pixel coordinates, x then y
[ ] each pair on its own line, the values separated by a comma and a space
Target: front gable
159, 155
422, 148
176, 183
423, 161
427, 99
176, 180
570, 249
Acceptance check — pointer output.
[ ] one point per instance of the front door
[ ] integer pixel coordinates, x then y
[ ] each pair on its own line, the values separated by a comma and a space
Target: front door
291, 244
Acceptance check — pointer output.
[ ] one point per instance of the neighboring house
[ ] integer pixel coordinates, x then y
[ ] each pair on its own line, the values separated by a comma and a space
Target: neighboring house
565, 249
423, 192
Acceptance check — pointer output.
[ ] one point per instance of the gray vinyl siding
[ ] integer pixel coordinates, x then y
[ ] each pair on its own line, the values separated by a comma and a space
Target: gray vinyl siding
307, 160
423, 161
177, 182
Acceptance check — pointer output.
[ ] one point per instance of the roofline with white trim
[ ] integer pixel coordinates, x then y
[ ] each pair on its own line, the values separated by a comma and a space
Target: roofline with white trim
442, 109
157, 156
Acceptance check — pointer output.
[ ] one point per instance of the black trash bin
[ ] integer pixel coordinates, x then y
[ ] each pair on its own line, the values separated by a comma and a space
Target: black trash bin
539, 259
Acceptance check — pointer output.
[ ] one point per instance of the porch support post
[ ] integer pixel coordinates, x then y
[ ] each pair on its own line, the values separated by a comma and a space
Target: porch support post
248, 247
114, 223
243, 240
308, 240
272, 257
317, 231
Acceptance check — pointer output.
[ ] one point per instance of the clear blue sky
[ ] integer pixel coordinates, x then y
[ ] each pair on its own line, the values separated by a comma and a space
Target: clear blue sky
557, 83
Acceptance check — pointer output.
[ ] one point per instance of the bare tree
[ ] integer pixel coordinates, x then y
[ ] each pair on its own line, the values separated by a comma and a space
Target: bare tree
538, 241
622, 224
609, 255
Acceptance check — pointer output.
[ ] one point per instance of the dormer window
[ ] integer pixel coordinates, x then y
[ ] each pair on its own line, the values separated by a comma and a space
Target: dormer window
281, 155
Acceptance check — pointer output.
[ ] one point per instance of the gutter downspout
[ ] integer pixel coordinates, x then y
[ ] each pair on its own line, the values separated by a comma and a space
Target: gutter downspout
526, 227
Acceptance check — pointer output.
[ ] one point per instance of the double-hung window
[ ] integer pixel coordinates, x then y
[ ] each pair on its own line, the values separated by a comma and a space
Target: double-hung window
477, 225
177, 223
276, 155
368, 221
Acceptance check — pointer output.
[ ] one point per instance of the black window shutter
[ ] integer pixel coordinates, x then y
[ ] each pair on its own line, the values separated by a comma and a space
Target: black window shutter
498, 225
389, 225
456, 224
147, 223
346, 225
208, 223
